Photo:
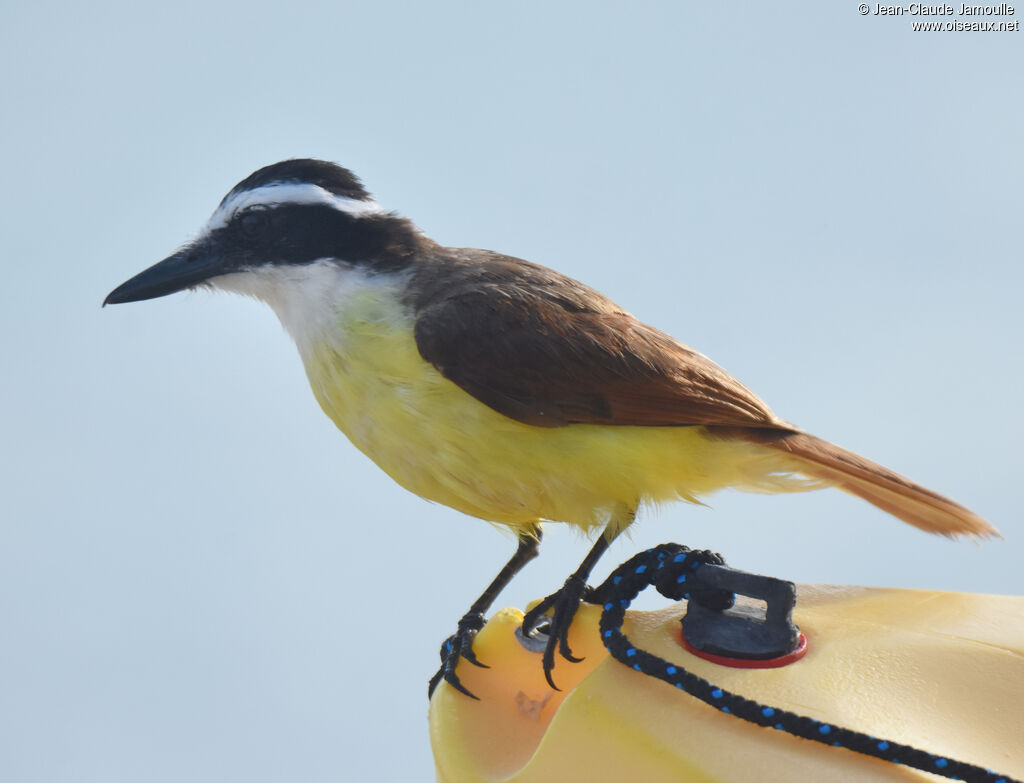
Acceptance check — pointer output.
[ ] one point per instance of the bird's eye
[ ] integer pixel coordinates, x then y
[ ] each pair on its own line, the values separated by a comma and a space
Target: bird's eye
252, 220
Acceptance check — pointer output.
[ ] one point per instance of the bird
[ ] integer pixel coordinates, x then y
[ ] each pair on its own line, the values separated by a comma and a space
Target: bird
502, 388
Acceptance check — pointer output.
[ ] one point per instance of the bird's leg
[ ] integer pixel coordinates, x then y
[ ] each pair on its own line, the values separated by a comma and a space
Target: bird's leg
460, 644
564, 602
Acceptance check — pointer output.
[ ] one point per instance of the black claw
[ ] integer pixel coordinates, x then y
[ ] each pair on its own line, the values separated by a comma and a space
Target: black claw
434, 681
458, 646
471, 657
563, 605
453, 679
533, 618
549, 664
449, 676
565, 652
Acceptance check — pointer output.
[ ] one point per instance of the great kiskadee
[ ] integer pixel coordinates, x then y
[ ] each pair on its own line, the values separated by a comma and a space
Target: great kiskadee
499, 387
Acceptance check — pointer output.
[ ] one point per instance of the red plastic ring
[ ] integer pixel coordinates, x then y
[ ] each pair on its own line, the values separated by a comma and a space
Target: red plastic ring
751, 663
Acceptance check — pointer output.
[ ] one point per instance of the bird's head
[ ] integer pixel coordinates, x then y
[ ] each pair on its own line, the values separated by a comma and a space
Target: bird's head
281, 218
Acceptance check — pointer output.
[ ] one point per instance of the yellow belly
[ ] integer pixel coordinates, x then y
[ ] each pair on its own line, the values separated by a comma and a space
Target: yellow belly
441, 443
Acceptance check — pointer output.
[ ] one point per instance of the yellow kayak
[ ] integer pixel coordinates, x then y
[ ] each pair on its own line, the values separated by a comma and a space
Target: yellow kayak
943, 672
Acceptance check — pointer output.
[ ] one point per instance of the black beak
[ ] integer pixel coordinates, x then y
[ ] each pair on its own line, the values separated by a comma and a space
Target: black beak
188, 267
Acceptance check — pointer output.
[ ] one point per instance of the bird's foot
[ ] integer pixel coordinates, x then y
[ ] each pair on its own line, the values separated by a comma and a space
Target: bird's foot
562, 606
456, 647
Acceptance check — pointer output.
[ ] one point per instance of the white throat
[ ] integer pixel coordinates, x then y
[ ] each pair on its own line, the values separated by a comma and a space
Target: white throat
314, 301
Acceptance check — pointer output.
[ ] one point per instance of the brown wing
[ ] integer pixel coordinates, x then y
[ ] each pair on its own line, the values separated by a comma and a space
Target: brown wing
546, 350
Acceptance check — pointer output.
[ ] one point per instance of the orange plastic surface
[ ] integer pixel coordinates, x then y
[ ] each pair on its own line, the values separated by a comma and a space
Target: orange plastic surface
940, 671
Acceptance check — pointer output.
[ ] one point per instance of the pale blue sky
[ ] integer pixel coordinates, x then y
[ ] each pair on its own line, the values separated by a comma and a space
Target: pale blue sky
827, 204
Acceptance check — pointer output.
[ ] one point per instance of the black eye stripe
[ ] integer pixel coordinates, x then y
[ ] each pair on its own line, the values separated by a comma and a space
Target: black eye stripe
252, 220
301, 233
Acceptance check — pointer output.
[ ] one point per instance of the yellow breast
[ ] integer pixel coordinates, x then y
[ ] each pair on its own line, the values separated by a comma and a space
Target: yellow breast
441, 443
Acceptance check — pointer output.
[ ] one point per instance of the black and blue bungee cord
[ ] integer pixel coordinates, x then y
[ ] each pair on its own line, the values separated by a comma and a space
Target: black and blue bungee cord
668, 568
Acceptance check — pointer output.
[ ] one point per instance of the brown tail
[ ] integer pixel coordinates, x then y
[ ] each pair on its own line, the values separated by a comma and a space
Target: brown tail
890, 491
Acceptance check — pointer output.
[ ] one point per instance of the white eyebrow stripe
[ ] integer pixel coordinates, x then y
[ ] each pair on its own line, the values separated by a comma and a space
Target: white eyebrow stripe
290, 193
